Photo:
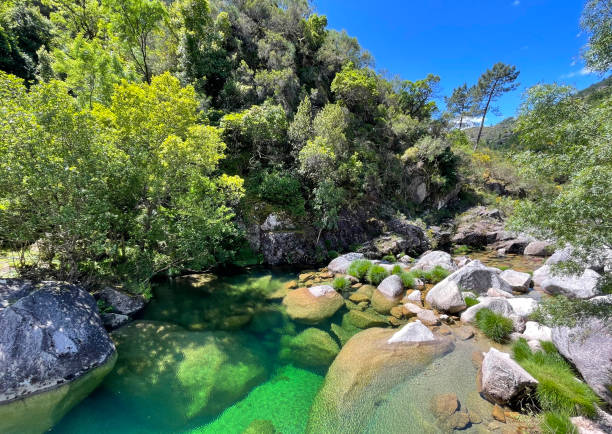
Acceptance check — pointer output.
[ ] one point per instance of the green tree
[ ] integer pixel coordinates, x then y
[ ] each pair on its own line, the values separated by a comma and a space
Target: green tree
414, 97
596, 20
357, 89
76, 17
492, 84
460, 102
300, 129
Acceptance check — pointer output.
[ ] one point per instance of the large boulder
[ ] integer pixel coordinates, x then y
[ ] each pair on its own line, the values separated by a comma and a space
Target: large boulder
430, 260
588, 346
313, 305
503, 381
478, 227
573, 286
446, 296
416, 241
53, 352
286, 247
120, 302
313, 348
182, 374
498, 305
477, 277
537, 248
341, 264
523, 306
517, 280
366, 369
411, 241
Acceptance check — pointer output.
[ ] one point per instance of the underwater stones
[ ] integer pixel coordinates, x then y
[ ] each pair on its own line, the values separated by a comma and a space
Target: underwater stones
312, 348
182, 374
341, 264
260, 426
502, 379
359, 297
313, 305
51, 341
364, 371
366, 319
121, 302
413, 332
430, 260
382, 303
446, 296
464, 332
446, 410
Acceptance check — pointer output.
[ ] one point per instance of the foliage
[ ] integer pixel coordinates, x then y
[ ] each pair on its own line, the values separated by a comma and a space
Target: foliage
558, 389
495, 326
561, 311
470, 301
415, 97
408, 280
557, 423
359, 268
389, 258
460, 103
376, 274
357, 89
281, 189
597, 22
437, 274
341, 284
397, 269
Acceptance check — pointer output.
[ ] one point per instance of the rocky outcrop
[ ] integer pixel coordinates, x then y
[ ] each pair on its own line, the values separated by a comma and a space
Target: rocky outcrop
433, 259
341, 264
394, 244
286, 248
518, 281
51, 341
504, 381
446, 296
120, 302
478, 227
573, 286
312, 305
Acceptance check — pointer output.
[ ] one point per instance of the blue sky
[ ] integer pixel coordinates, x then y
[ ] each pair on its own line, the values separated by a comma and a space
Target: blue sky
458, 40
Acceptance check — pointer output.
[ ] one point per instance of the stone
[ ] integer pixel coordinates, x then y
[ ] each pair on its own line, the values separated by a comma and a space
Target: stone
492, 292
457, 421
515, 246
443, 406
304, 305
588, 346
427, 317
406, 260
365, 371
54, 351
430, 260
572, 286
391, 286
536, 331
523, 306
412, 309
260, 426
414, 296
477, 277
517, 280
395, 322
413, 332
446, 297
503, 380
286, 247
121, 302
464, 332
588, 426
498, 414
537, 248
397, 312
277, 222
358, 298
382, 303
496, 304
367, 319
312, 348
112, 321
462, 261
341, 264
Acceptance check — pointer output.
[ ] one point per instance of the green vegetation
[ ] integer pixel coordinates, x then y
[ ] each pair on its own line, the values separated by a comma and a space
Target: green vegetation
397, 269
470, 301
560, 310
557, 423
496, 327
341, 284
437, 274
407, 280
558, 391
359, 268
376, 274
389, 258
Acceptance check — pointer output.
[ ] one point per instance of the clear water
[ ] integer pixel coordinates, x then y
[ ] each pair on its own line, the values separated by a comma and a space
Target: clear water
205, 359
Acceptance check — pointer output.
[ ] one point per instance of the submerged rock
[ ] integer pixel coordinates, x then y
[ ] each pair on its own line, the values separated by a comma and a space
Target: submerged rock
314, 304
366, 319
313, 348
53, 352
503, 380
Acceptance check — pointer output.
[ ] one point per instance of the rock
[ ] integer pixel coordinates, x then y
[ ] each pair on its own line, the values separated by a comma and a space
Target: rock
477, 277
498, 414
183, 374
365, 370
478, 227
584, 286
53, 352
446, 296
313, 305
391, 286
412, 308
415, 237
457, 421
430, 260
518, 281
358, 298
537, 248
341, 264
427, 317
414, 296
383, 304
514, 246
112, 321
492, 292
277, 222
523, 306
121, 302
405, 260
367, 319
443, 406
588, 346
260, 426
313, 348
464, 332
413, 332
286, 247
462, 261
503, 380
413, 243
536, 331
397, 312
498, 305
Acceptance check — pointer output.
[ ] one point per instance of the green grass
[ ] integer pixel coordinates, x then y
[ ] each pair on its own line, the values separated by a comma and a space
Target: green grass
359, 268
407, 280
461, 250
470, 301
496, 327
557, 423
389, 258
341, 284
558, 391
397, 269
376, 274
438, 274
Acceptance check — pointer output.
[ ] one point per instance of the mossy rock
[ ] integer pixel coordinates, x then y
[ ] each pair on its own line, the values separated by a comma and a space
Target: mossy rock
366, 319
383, 304
259, 426
313, 348
367, 290
359, 297
182, 374
345, 331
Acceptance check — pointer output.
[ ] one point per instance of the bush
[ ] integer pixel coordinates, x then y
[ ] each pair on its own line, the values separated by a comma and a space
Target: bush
332, 254
376, 274
470, 301
407, 280
389, 258
493, 325
419, 274
437, 274
359, 268
557, 423
558, 389
397, 269
280, 189
341, 284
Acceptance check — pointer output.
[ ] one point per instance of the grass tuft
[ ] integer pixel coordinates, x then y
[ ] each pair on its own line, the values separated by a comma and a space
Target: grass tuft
341, 284
557, 423
408, 280
376, 274
359, 268
470, 301
496, 327
397, 269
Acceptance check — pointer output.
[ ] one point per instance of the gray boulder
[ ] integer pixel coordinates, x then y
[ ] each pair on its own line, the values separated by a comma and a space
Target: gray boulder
391, 286
50, 336
341, 264
498, 305
503, 380
517, 280
477, 277
573, 286
537, 248
523, 306
446, 296
436, 258
121, 302
112, 321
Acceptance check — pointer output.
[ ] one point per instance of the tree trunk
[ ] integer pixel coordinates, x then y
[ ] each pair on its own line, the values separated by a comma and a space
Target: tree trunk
484, 114
461, 121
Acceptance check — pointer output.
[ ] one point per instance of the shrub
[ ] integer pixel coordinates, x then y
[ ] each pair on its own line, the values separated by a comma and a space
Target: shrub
493, 325
557, 423
281, 189
359, 268
397, 269
461, 250
341, 284
376, 274
470, 301
419, 274
437, 274
332, 254
389, 258
407, 280
558, 389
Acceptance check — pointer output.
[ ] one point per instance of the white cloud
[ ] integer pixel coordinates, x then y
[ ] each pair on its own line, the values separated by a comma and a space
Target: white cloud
573, 63
583, 71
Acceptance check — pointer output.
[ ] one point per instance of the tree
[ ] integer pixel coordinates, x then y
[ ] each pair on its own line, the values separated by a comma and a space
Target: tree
501, 78
76, 17
596, 20
414, 97
460, 102
357, 89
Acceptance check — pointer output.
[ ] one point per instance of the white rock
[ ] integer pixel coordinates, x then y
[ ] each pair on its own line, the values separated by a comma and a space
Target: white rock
492, 292
503, 379
537, 332
414, 296
584, 286
496, 304
446, 296
427, 317
320, 291
523, 306
430, 260
391, 286
477, 277
412, 332
411, 307
342, 263
518, 281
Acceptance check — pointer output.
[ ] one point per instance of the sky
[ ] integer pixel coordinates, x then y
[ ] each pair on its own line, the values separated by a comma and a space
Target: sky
459, 40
